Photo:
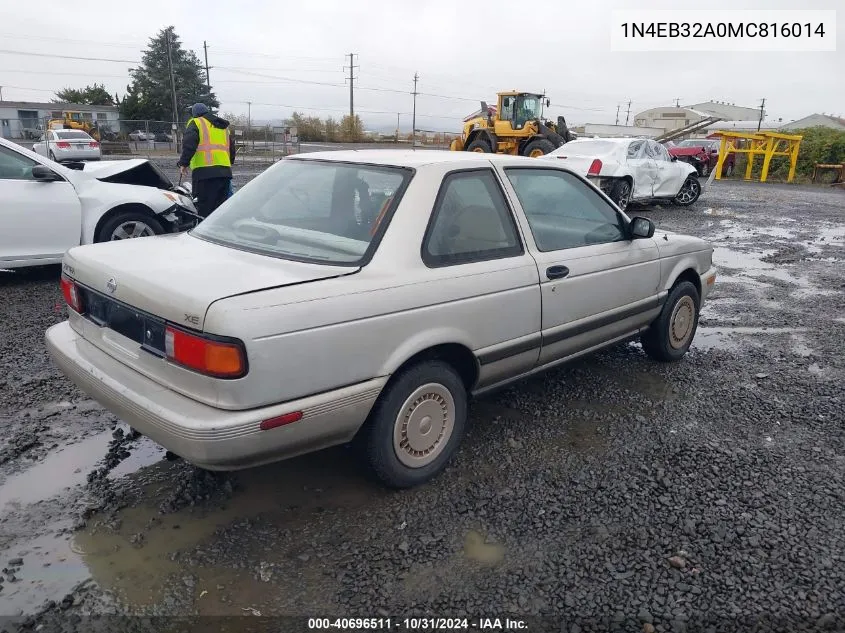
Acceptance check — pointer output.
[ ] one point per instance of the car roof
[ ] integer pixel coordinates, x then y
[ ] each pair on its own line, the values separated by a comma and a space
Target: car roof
410, 157
618, 141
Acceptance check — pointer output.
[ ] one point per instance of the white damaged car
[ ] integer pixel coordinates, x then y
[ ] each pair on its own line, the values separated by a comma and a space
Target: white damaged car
630, 170
47, 208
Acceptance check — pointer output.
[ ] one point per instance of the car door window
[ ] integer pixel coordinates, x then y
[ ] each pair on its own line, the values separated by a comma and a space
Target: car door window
563, 211
471, 222
635, 149
663, 153
14, 166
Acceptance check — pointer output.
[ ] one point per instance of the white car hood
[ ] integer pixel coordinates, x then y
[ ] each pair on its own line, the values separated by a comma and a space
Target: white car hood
670, 243
106, 168
177, 277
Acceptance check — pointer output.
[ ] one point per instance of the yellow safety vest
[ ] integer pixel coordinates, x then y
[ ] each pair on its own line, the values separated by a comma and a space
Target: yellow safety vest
213, 148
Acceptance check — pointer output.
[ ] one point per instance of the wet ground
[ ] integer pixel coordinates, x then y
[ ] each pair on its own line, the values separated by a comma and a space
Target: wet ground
613, 494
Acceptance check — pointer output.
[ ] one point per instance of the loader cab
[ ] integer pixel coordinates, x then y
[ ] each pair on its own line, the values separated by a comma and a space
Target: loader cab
516, 109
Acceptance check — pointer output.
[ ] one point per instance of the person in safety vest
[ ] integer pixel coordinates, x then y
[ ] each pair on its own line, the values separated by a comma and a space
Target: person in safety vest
209, 150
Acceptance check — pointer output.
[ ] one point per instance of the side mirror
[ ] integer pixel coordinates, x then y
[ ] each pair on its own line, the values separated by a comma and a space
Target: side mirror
44, 174
673, 158
641, 228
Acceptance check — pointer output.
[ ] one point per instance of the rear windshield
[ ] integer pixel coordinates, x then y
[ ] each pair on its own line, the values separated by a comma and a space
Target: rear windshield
589, 148
72, 134
316, 211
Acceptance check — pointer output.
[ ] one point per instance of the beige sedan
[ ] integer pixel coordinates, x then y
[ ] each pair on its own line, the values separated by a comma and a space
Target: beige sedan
366, 296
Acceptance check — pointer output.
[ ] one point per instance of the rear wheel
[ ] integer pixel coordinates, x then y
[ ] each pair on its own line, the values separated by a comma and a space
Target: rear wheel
620, 193
52, 156
128, 225
538, 147
481, 146
705, 170
416, 425
689, 193
671, 334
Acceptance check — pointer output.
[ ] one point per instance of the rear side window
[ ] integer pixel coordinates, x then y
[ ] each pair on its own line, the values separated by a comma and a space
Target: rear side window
471, 222
73, 134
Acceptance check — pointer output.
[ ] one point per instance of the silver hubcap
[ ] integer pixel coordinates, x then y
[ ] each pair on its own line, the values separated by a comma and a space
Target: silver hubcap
424, 425
689, 191
128, 230
682, 322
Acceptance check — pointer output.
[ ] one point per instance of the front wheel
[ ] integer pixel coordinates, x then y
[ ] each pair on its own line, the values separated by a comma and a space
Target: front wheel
689, 193
539, 147
671, 334
128, 225
416, 426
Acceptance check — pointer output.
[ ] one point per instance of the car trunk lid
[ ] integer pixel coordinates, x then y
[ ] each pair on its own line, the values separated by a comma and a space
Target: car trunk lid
176, 278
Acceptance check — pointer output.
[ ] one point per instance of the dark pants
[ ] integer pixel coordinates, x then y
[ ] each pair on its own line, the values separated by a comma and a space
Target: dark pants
210, 194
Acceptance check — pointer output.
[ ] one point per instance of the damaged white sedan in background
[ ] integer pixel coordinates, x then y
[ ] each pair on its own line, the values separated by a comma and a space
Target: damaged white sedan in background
48, 208
630, 170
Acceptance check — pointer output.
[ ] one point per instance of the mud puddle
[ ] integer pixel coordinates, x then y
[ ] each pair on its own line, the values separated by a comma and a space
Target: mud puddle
732, 338
69, 467
140, 551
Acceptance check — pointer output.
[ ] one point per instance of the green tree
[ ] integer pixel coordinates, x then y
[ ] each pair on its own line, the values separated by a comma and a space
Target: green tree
351, 129
149, 95
90, 95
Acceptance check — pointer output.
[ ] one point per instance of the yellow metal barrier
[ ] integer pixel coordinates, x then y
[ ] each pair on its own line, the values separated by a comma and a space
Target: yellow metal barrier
753, 144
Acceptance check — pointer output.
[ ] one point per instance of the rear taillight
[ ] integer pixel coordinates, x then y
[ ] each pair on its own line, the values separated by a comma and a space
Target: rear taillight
595, 168
71, 293
93, 144
209, 356
63, 145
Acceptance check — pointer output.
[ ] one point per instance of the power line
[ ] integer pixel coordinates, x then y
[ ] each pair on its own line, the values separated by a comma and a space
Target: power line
90, 59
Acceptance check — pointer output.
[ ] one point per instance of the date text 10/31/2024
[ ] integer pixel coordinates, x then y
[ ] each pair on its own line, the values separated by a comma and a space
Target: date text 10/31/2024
418, 624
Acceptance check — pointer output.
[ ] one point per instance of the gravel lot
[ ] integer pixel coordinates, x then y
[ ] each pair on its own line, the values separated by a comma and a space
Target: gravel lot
613, 494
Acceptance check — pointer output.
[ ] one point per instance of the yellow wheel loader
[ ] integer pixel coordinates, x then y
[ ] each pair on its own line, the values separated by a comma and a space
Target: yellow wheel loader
514, 126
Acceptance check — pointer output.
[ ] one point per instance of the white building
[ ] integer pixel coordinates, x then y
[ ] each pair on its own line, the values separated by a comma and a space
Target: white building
17, 116
816, 120
676, 117
619, 131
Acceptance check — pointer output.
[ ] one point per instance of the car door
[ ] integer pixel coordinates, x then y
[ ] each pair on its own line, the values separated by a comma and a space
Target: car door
40, 147
670, 174
596, 283
39, 220
643, 169
472, 242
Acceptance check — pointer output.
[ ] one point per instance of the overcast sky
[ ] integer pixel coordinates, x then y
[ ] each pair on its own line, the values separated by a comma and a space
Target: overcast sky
461, 49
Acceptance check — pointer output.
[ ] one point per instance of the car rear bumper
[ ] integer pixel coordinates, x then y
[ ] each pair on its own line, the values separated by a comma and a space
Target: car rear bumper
208, 437
76, 154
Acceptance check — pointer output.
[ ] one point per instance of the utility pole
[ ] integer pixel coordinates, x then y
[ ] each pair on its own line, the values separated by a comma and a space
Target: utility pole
627, 116
414, 123
617, 114
351, 78
172, 89
1, 93
207, 75
760, 120
397, 127
249, 122
677, 102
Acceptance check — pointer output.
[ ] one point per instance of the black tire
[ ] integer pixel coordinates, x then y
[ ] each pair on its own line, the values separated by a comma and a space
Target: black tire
620, 193
538, 147
111, 225
377, 439
705, 170
689, 193
665, 342
727, 170
480, 145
